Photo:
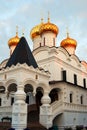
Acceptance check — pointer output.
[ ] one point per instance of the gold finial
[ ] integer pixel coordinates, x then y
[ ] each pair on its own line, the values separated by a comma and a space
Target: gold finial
67, 32
41, 17
48, 16
41, 20
23, 31
16, 30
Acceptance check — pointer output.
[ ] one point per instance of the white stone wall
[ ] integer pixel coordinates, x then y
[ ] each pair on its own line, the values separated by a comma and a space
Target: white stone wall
70, 119
57, 59
36, 42
49, 36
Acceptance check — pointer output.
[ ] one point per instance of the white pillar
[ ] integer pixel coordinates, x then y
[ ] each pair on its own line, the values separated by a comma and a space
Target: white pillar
31, 98
46, 111
19, 112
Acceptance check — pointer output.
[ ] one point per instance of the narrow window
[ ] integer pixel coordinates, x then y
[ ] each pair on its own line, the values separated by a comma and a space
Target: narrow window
64, 75
70, 97
36, 76
44, 41
40, 44
53, 41
0, 101
12, 100
81, 99
84, 83
75, 79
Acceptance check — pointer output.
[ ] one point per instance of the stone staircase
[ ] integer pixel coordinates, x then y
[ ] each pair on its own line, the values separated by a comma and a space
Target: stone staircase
36, 126
57, 108
33, 118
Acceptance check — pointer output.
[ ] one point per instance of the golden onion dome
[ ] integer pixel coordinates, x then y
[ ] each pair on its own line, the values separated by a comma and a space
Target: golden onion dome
35, 30
68, 42
14, 40
49, 27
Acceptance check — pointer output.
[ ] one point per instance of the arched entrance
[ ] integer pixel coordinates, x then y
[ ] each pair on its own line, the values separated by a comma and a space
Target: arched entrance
39, 94
12, 88
57, 122
33, 109
54, 94
2, 90
28, 89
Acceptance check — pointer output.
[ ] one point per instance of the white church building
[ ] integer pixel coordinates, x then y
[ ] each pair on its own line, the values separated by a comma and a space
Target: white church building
45, 88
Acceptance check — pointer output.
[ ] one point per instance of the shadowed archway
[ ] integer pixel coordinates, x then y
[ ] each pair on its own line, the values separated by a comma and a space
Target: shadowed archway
54, 94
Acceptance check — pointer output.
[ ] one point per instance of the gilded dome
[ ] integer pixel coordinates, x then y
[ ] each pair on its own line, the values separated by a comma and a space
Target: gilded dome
14, 40
49, 27
35, 31
68, 42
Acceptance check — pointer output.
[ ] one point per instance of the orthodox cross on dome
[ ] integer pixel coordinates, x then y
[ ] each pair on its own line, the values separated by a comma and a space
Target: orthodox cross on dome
23, 31
48, 17
16, 30
67, 32
41, 20
42, 17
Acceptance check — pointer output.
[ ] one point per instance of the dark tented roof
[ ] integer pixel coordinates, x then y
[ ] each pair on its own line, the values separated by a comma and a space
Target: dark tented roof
22, 54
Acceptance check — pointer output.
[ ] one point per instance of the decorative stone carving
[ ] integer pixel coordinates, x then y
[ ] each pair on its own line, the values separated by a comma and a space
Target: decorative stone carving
19, 113
46, 111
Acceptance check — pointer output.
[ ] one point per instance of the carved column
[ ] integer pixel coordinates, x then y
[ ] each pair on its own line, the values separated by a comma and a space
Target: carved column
19, 112
46, 111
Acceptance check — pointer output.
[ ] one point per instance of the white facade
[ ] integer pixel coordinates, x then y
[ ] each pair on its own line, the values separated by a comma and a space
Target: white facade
62, 81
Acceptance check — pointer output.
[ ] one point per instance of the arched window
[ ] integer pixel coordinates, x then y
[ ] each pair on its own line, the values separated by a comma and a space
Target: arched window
12, 87
28, 89
39, 95
54, 95
71, 97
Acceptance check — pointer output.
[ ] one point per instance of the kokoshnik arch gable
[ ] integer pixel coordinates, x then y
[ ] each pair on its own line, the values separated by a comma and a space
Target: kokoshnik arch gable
46, 87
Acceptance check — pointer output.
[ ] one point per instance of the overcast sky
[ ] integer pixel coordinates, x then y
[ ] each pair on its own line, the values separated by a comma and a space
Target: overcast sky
27, 13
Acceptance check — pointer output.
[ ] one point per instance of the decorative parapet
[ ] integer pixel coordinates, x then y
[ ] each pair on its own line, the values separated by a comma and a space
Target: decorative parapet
59, 107
25, 66
14, 72
75, 107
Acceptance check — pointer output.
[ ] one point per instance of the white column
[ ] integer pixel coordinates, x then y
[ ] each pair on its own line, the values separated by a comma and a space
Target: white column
46, 111
19, 112
31, 98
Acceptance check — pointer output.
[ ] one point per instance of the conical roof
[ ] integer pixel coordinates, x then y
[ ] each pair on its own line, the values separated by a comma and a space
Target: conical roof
22, 54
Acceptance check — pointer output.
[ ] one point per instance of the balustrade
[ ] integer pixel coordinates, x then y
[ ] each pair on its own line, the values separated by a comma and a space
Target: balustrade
59, 107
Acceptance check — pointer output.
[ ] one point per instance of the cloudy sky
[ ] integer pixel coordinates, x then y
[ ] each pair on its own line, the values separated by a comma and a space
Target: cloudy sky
27, 13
